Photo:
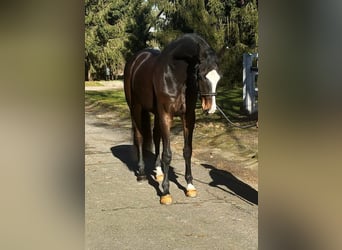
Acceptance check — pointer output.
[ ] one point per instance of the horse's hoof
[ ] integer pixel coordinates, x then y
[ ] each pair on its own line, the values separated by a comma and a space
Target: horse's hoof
160, 178
166, 199
191, 193
141, 178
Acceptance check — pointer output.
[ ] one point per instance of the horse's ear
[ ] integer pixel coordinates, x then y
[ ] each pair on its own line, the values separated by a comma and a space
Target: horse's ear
220, 53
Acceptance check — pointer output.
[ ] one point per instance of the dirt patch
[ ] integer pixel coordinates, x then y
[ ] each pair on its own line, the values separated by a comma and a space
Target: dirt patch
233, 150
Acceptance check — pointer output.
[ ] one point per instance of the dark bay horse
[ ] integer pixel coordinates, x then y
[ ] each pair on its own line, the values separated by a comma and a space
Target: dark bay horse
167, 84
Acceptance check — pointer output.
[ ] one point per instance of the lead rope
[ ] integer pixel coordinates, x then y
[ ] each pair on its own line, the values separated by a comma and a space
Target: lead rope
233, 124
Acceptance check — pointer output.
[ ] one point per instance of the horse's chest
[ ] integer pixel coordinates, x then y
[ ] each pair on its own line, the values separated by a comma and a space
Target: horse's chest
177, 104
173, 98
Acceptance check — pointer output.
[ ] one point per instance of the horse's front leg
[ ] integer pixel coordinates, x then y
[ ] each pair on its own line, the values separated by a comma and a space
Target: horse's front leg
165, 125
188, 121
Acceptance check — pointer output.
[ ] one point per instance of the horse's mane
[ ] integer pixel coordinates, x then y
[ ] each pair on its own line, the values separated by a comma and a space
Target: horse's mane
192, 48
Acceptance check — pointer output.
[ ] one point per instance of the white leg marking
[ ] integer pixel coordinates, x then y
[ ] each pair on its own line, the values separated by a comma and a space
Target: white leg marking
159, 171
190, 187
213, 77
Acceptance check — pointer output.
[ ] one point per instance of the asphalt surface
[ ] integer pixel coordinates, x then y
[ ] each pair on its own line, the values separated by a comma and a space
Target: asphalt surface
122, 213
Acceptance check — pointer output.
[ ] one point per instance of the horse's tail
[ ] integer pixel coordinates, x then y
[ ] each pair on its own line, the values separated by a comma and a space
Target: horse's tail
127, 83
146, 130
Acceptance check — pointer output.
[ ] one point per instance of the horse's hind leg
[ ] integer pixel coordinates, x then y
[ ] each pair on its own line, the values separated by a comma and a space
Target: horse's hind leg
138, 141
156, 140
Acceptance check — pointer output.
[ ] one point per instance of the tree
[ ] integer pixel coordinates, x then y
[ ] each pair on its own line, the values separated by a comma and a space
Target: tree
105, 36
137, 30
116, 29
187, 16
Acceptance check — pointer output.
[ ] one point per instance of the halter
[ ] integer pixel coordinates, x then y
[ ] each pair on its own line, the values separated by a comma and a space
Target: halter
198, 88
204, 94
202, 78
207, 94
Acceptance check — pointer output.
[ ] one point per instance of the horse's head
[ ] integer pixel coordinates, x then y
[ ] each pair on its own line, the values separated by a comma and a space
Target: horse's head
202, 59
208, 76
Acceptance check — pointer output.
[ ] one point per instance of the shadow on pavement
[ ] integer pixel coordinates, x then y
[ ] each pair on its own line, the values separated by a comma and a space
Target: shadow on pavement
127, 154
239, 188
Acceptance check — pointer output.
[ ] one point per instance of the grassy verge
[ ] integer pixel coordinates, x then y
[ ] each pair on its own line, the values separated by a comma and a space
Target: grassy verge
110, 100
93, 84
229, 99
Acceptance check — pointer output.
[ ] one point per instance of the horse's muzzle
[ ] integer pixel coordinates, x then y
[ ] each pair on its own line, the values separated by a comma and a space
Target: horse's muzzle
208, 103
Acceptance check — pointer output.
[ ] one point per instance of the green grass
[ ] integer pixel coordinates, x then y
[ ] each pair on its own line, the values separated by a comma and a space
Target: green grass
93, 84
229, 99
111, 100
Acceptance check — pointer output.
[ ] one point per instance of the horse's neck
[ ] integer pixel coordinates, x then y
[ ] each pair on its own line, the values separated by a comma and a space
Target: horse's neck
186, 51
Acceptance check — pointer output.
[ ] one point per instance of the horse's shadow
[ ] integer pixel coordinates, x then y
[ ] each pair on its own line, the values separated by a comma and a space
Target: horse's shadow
238, 188
128, 155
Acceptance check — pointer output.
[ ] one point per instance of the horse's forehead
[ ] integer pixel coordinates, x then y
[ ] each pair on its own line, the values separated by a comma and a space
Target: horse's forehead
213, 76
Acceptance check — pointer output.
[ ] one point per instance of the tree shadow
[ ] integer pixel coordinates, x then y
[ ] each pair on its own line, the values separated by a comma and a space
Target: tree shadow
239, 188
128, 155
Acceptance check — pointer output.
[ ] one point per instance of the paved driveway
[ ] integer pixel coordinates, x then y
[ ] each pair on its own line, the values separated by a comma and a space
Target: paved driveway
124, 214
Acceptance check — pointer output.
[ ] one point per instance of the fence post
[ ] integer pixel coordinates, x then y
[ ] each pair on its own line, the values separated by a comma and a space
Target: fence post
249, 91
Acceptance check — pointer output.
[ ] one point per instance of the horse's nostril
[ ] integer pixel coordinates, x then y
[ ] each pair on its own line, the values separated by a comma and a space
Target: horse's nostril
206, 102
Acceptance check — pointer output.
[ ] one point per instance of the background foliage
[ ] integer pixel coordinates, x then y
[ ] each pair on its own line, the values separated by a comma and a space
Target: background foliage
116, 29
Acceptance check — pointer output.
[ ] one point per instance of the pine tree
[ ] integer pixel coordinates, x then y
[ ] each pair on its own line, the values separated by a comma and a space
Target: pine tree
116, 29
